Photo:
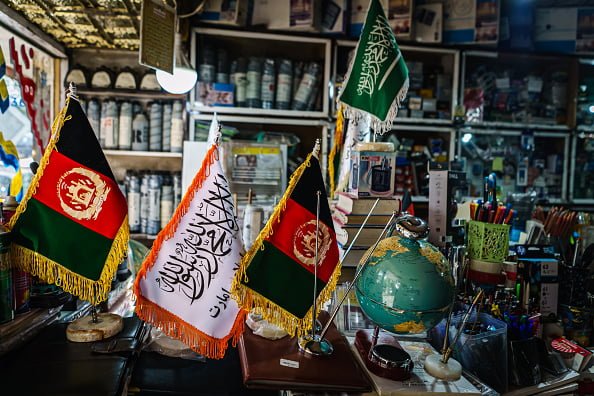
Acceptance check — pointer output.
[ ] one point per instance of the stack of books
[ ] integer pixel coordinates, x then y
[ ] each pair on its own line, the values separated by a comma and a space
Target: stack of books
349, 213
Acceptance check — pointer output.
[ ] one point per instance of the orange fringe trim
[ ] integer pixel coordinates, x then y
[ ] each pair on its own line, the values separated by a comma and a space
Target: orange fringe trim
169, 323
173, 326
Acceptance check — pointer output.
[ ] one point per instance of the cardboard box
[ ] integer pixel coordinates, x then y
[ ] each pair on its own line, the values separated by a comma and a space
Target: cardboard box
372, 173
568, 30
398, 12
302, 15
233, 12
215, 94
471, 22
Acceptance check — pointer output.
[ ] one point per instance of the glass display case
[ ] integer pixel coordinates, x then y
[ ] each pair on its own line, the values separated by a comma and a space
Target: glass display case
581, 185
512, 89
251, 73
433, 74
524, 161
416, 147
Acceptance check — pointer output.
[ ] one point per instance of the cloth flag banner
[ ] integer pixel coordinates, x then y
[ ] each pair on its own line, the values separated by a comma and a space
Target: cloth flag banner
334, 155
377, 79
276, 278
71, 229
9, 155
183, 286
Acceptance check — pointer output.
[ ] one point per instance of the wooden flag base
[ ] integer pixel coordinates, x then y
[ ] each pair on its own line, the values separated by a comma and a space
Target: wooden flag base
85, 330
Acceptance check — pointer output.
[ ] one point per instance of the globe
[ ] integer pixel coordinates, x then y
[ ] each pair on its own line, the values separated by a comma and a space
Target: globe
406, 287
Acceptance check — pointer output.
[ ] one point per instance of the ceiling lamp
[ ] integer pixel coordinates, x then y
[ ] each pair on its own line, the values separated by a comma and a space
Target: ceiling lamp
184, 75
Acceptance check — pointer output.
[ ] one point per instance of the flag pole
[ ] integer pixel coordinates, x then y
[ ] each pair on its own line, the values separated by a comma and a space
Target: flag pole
315, 288
357, 275
312, 343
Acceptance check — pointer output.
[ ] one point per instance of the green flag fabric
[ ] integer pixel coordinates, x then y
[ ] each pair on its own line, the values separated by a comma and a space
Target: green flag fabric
377, 80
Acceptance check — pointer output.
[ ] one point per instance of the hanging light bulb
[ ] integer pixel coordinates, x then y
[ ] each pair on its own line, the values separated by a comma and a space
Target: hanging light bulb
184, 75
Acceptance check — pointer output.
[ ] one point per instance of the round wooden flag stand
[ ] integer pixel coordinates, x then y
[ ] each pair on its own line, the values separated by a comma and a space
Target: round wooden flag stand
96, 327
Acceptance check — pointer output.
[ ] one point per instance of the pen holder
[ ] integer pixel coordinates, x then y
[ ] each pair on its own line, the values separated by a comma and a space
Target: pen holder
481, 348
488, 241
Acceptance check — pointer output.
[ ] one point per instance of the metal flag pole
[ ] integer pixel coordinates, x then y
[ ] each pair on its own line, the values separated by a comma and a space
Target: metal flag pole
357, 275
315, 288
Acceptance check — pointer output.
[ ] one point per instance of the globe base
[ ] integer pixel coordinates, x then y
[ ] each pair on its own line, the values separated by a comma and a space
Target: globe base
450, 371
314, 345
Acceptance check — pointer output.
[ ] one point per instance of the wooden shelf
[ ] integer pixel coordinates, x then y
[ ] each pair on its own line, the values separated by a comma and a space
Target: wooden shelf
143, 236
130, 93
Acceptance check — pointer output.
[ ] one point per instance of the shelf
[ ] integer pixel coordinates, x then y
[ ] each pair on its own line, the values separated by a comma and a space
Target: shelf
260, 120
425, 122
516, 125
130, 93
143, 236
196, 109
149, 154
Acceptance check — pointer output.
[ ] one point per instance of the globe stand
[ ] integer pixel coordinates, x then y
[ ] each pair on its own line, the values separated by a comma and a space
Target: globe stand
443, 367
449, 370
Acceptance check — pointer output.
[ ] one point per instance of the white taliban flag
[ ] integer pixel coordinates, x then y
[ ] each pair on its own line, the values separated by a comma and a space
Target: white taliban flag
183, 286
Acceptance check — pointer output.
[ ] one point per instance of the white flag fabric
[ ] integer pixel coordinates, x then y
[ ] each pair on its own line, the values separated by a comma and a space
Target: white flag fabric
183, 286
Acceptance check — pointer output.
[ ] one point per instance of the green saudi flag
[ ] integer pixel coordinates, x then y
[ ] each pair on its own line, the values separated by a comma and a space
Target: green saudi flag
377, 79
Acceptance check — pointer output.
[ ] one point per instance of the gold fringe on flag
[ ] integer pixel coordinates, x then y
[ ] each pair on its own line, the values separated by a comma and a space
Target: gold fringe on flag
250, 300
167, 322
338, 144
48, 270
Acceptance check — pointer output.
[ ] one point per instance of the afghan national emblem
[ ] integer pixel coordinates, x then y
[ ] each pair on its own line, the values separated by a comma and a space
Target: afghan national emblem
82, 192
304, 242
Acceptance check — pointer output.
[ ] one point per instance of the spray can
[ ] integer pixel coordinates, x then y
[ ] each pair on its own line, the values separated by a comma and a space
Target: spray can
140, 133
206, 70
6, 288
177, 127
254, 82
125, 135
177, 189
155, 126
166, 200
154, 197
144, 203
222, 66
21, 280
240, 78
284, 84
268, 84
107, 136
306, 87
166, 137
133, 202
94, 115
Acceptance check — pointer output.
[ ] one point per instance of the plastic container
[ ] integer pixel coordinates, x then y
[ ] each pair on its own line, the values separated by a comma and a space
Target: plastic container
483, 354
488, 241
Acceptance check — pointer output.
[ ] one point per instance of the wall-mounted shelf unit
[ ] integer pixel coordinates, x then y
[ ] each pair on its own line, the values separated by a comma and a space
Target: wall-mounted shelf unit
209, 44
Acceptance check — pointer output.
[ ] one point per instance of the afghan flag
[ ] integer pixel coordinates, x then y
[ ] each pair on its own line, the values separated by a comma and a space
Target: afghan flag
276, 278
377, 79
183, 286
71, 229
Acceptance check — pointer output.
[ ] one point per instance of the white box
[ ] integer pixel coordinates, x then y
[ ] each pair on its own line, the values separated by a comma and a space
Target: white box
399, 14
372, 173
232, 12
302, 15
468, 21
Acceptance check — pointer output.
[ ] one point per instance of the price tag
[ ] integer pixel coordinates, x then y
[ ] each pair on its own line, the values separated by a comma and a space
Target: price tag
289, 363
